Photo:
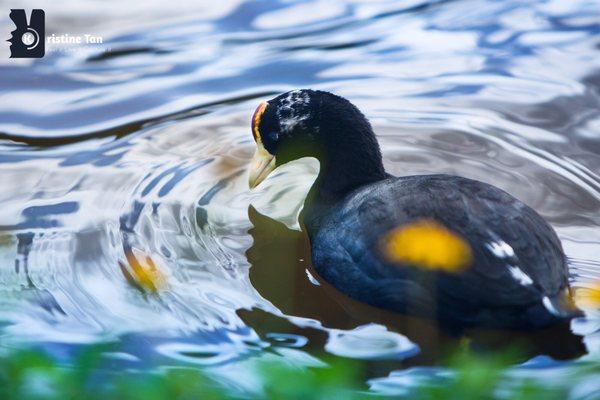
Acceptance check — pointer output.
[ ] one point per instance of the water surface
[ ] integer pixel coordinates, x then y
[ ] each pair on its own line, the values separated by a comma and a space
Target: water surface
136, 153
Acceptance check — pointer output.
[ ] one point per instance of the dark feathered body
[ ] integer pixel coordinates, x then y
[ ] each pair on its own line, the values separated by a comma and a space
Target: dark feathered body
517, 276
345, 250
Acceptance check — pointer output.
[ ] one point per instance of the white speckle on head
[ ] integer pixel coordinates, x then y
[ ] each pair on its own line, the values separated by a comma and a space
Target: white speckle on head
520, 276
501, 249
549, 306
288, 110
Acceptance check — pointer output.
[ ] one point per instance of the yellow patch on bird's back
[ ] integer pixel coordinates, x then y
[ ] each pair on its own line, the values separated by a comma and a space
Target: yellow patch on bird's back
427, 244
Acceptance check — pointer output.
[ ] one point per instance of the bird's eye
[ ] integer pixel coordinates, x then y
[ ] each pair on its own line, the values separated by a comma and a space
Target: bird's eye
256, 117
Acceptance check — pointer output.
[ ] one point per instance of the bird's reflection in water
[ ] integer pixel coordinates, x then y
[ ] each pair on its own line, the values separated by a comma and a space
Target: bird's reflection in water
281, 272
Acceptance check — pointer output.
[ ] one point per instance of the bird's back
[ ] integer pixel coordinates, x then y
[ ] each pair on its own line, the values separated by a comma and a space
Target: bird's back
508, 267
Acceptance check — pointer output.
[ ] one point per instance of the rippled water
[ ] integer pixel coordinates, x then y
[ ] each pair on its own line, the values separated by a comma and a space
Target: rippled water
137, 152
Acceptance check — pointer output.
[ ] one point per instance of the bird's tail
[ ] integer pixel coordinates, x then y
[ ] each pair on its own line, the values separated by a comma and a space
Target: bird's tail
553, 309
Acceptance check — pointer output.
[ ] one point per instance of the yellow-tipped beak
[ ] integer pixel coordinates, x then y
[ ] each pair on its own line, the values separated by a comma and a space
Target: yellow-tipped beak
261, 165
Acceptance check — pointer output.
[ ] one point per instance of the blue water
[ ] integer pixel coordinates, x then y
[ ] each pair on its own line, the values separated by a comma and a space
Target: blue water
138, 147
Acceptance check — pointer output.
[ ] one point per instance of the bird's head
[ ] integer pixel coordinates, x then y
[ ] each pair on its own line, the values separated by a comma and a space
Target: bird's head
307, 123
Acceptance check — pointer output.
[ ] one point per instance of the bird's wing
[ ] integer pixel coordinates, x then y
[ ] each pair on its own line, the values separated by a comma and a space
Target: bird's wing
515, 255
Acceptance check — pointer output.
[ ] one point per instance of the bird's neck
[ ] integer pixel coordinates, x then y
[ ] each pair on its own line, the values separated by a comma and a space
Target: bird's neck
351, 161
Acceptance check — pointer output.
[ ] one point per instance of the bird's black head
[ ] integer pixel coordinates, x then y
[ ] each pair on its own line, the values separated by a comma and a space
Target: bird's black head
312, 123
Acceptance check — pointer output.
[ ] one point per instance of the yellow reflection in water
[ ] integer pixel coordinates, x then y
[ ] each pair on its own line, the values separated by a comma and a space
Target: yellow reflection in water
143, 272
588, 297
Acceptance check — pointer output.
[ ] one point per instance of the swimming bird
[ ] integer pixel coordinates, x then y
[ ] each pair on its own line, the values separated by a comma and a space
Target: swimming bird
439, 246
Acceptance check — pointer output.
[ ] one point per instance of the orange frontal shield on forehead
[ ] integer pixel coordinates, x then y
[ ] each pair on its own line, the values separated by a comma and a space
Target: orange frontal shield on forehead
263, 162
256, 117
